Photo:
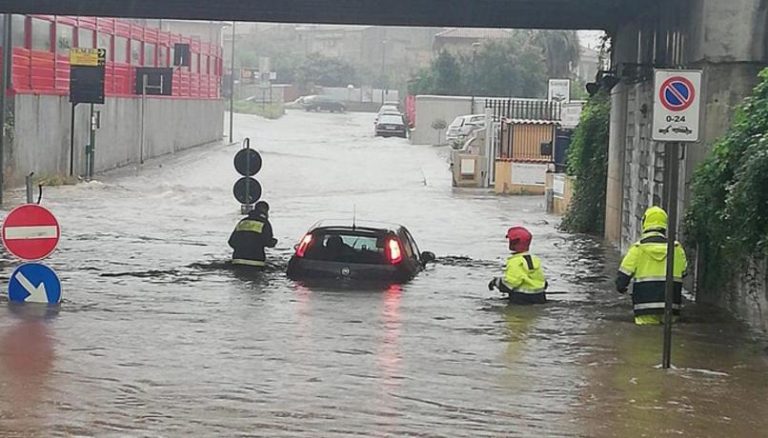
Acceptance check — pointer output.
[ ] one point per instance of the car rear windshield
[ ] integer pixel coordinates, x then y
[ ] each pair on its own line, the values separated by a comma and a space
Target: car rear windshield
348, 246
391, 119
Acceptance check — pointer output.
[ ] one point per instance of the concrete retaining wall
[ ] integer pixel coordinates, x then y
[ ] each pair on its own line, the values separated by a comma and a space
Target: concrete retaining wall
41, 135
746, 295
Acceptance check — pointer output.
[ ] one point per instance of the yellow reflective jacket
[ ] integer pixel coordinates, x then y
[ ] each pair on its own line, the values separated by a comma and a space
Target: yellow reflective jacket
524, 274
645, 265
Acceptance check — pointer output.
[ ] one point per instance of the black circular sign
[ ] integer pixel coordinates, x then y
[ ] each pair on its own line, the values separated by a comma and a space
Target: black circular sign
252, 186
248, 162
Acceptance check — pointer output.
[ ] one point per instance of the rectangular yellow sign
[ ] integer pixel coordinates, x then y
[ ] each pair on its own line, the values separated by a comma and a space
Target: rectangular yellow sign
87, 57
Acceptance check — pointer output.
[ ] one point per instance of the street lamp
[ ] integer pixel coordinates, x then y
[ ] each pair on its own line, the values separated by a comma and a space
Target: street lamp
384, 70
473, 85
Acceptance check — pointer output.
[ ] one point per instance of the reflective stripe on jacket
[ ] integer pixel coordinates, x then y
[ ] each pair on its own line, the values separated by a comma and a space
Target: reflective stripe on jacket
645, 265
524, 274
250, 237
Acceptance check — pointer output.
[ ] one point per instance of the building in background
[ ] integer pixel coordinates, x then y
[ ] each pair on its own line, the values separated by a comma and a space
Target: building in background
460, 40
39, 138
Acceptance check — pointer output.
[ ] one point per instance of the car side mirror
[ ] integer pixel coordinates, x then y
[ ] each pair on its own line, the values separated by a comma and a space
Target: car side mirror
428, 257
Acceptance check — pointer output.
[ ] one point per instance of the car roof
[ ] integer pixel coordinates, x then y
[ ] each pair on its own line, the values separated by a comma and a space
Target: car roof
350, 225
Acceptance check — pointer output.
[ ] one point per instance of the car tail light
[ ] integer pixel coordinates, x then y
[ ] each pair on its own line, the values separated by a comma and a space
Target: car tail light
305, 242
393, 252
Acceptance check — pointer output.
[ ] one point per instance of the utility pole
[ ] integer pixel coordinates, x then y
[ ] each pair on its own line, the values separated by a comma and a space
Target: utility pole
5, 83
232, 90
473, 85
384, 70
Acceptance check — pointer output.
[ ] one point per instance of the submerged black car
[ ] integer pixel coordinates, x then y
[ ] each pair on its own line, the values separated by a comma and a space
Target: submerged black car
366, 251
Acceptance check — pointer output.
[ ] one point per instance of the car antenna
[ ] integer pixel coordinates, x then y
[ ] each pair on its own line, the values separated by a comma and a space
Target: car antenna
354, 217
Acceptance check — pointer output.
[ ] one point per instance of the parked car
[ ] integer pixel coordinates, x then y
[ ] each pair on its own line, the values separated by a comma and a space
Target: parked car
320, 103
361, 251
462, 126
391, 125
386, 109
393, 103
296, 104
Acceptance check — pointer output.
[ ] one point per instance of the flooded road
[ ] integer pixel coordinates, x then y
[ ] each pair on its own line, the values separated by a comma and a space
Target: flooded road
157, 338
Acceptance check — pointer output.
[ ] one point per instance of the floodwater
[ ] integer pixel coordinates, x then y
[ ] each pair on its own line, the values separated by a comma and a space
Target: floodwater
157, 338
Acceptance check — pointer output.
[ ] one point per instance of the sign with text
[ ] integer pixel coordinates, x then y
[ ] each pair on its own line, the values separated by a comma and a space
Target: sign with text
88, 57
676, 106
559, 90
86, 75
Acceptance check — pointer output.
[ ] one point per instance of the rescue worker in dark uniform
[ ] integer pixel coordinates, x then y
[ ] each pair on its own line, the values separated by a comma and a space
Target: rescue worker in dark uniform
251, 236
645, 265
523, 279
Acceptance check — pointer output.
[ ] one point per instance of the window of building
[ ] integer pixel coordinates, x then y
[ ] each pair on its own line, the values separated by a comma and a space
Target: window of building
41, 34
85, 38
105, 42
162, 57
149, 54
135, 52
121, 49
65, 38
195, 68
17, 30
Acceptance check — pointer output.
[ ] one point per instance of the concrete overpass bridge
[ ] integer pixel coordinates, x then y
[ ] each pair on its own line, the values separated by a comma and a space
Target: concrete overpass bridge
727, 39
560, 14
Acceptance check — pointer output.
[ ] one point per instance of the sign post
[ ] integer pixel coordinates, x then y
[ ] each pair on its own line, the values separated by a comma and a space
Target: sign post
676, 113
248, 163
31, 232
86, 85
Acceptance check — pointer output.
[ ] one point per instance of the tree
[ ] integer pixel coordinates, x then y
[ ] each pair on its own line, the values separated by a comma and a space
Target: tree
446, 74
497, 68
321, 70
588, 163
439, 125
560, 48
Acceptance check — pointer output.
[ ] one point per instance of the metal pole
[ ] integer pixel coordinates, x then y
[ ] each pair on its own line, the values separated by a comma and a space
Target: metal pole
92, 145
143, 109
232, 90
72, 140
248, 173
4, 86
28, 182
383, 69
672, 176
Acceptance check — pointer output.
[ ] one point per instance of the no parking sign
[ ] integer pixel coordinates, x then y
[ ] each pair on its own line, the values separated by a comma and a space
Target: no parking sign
676, 106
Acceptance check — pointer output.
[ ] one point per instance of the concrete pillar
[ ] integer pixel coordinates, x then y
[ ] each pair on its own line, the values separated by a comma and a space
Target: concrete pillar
625, 50
727, 40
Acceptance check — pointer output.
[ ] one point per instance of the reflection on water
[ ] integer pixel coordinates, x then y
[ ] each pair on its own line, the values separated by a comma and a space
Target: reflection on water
26, 359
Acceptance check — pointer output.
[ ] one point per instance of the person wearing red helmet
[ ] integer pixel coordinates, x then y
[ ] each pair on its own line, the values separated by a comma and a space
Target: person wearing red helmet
523, 279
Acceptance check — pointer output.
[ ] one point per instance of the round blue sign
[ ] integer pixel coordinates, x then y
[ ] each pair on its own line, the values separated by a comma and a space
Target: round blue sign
34, 283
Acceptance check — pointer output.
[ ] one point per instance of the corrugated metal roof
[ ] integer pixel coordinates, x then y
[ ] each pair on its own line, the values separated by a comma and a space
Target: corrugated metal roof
530, 122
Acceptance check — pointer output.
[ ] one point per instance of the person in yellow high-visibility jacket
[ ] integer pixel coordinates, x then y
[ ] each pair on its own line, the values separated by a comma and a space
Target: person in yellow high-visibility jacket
523, 280
645, 266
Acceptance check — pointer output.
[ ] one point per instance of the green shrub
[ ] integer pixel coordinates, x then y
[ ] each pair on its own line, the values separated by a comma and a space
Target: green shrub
269, 111
588, 162
728, 215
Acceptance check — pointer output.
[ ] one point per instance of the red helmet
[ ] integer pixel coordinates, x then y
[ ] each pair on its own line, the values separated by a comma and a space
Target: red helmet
519, 239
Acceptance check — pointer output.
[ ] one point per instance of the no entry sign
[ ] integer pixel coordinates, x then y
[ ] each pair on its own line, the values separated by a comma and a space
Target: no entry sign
676, 106
30, 232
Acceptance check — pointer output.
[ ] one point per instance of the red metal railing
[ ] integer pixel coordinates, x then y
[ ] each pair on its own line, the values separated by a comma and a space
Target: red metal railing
46, 72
